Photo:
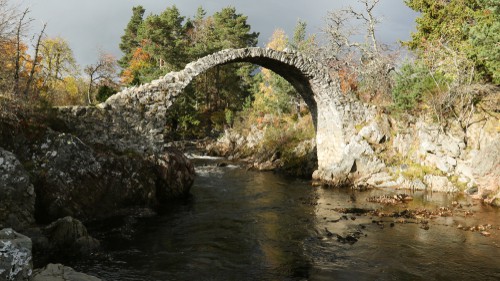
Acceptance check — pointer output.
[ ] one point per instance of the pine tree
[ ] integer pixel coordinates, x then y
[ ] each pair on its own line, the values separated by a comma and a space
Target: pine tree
129, 41
469, 27
165, 39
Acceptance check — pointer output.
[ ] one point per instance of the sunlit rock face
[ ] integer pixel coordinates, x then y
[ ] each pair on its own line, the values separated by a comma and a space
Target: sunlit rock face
136, 117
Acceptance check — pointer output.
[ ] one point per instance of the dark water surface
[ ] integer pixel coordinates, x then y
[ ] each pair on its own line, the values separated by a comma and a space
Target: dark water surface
243, 225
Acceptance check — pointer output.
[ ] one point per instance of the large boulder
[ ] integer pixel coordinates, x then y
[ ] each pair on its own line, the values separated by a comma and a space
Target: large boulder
73, 179
15, 256
176, 174
59, 272
17, 195
229, 144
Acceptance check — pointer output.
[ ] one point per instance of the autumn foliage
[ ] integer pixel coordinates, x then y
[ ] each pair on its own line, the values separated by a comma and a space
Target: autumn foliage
140, 60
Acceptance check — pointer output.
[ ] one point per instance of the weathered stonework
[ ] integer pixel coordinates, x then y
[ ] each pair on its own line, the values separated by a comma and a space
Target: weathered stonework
136, 117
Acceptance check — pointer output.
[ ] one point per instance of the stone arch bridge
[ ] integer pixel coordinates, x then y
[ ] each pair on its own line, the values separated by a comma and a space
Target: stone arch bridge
138, 114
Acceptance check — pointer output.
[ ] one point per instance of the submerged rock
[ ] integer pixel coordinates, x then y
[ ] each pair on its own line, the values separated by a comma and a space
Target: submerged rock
69, 237
59, 272
17, 195
15, 256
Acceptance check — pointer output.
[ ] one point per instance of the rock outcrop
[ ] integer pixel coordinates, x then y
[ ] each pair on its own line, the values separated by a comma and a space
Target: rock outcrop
486, 170
15, 256
17, 195
46, 175
175, 172
73, 179
59, 272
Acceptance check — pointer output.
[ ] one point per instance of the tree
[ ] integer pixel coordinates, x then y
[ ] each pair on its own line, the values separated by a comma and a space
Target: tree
470, 27
8, 19
458, 41
168, 41
484, 36
103, 71
165, 40
57, 68
57, 60
17, 69
369, 61
301, 42
23, 67
274, 92
441, 21
232, 30
139, 64
129, 41
35, 62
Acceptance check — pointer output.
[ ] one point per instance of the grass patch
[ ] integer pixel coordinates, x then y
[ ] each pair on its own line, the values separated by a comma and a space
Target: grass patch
416, 171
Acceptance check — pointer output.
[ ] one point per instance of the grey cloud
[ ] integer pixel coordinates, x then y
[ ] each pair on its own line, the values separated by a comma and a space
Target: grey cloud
93, 24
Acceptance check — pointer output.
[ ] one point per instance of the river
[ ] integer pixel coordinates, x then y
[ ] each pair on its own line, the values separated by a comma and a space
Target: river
245, 225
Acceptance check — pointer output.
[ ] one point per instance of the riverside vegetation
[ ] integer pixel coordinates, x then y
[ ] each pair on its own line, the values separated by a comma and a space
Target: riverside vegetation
436, 124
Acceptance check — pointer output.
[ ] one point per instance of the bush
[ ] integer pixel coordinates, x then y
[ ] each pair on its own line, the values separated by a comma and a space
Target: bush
104, 92
413, 83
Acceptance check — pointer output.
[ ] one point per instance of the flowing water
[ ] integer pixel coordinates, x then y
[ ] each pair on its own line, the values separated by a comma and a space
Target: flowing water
244, 225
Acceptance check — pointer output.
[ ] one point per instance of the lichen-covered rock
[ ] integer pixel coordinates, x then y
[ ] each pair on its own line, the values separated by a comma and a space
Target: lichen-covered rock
69, 237
15, 256
73, 179
17, 195
59, 272
85, 180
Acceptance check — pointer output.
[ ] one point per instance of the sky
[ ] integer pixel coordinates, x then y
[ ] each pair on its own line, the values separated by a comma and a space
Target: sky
93, 25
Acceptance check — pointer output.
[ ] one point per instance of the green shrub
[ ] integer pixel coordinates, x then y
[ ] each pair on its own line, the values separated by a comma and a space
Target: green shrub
104, 92
413, 83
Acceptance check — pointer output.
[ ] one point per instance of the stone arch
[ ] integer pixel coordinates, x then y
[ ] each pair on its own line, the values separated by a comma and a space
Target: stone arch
149, 102
299, 71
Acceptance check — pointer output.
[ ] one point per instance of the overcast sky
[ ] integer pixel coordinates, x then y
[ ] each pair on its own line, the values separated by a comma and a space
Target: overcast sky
89, 25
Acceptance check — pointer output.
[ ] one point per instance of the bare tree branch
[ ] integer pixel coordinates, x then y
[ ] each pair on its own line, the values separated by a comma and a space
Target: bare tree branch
35, 61
103, 69
20, 27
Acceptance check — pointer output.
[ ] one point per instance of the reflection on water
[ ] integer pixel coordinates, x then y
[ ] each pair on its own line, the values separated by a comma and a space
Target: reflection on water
242, 225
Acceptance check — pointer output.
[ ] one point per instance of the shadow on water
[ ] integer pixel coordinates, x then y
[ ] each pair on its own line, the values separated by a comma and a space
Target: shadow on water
243, 225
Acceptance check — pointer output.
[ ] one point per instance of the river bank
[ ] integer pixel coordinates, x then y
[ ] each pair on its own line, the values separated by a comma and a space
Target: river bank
413, 153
